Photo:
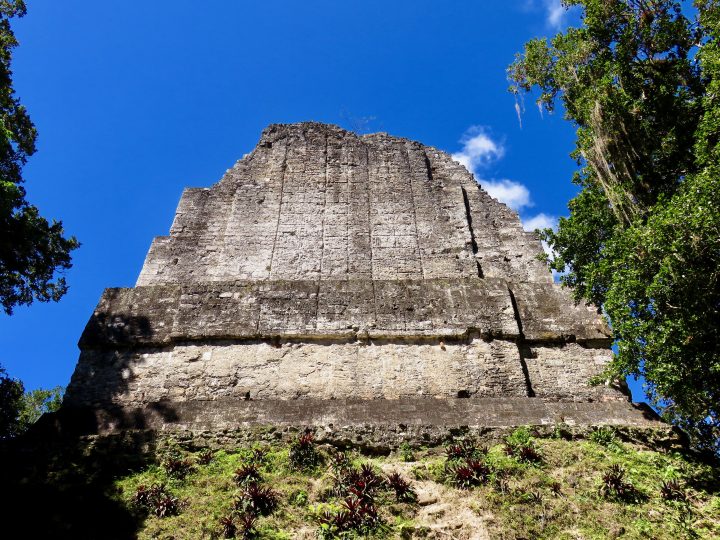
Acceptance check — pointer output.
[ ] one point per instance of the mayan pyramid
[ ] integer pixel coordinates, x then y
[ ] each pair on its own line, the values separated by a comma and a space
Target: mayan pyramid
337, 279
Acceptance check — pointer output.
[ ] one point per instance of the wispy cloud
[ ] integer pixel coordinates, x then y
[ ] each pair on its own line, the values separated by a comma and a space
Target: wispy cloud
512, 193
540, 221
479, 151
555, 13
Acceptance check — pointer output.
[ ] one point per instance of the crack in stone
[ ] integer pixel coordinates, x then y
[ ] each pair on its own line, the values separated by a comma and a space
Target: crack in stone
414, 207
521, 345
283, 169
468, 217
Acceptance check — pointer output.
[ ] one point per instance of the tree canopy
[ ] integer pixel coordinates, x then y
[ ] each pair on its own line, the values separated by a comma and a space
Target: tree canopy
20, 409
33, 251
640, 79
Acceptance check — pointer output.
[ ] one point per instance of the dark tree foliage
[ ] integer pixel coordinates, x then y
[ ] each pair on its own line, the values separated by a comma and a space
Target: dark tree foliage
19, 409
11, 396
32, 250
641, 82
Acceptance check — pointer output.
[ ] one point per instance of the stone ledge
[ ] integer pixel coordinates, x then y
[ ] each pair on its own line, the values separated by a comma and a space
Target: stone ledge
345, 310
398, 415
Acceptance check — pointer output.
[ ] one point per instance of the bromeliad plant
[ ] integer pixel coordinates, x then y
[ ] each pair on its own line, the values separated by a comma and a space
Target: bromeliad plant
304, 455
204, 457
401, 487
156, 499
257, 500
177, 467
355, 515
247, 474
464, 449
469, 473
671, 490
613, 486
363, 483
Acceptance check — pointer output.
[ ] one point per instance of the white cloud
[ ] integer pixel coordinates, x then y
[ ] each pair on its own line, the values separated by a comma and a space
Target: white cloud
544, 221
540, 221
514, 194
555, 13
479, 150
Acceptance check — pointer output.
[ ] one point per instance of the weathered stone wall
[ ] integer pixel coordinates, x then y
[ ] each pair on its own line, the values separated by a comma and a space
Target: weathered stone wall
362, 309
338, 370
315, 202
328, 266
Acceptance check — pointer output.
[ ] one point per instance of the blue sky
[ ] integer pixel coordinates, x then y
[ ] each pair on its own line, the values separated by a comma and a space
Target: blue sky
134, 101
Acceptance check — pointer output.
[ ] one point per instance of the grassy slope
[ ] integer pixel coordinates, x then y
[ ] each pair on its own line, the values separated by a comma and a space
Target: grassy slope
558, 498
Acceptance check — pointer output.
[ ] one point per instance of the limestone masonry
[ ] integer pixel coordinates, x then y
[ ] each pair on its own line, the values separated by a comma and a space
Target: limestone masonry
360, 278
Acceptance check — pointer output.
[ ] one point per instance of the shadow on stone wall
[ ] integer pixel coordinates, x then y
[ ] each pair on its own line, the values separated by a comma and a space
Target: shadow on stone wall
90, 404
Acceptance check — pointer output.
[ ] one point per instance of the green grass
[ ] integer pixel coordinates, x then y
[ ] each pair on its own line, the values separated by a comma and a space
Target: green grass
558, 498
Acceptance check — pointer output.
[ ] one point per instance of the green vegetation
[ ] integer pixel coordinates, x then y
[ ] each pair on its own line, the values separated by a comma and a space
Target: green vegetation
599, 488
32, 250
19, 409
641, 82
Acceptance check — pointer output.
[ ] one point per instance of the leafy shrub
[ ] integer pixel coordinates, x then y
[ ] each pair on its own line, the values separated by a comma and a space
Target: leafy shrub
247, 474
406, 453
257, 500
157, 500
303, 453
401, 487
522, 436
562, 431
603, 435
299, 497
520, 445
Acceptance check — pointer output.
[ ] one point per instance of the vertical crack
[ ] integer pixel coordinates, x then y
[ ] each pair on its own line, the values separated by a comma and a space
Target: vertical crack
428, 168
283, 169
473, 242
523, 349
412, 198
369, 214
322, 234
322, 219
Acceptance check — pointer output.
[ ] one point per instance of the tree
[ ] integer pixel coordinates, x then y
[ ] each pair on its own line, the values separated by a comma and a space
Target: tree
36, 403
32, 250
641, 82
11, 394
19, 409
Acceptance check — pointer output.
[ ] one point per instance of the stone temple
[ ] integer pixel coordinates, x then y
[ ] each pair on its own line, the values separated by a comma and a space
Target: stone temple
332, 279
